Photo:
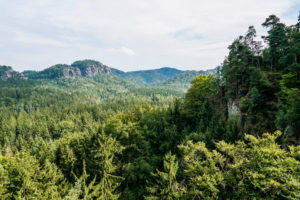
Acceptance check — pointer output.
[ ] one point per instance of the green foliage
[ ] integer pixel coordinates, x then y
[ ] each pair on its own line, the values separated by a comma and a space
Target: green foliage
261, 80
24, 178
204, 109
202, 170
255, 169
90, 191
81, 132
105, 154
166, 187
183, 81
4, 183
198, 100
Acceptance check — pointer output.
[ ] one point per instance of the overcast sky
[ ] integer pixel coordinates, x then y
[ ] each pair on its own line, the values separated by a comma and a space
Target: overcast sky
130, 34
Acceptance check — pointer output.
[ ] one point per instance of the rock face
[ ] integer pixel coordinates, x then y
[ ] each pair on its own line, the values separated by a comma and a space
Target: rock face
6, 72
70, 73
233, 108
90, 68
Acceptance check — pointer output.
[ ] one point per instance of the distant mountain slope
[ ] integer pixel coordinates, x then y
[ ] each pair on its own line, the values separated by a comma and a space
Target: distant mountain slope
6, 72
84, 68
117, 71
92, 68
92, 77
91, 81
183, 81
100, 87
149, 77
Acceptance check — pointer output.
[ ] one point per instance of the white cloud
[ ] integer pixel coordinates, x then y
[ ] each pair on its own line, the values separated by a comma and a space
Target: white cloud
122, 50
190, 34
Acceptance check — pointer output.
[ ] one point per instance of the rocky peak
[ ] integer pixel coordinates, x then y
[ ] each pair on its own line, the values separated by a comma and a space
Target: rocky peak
6, 72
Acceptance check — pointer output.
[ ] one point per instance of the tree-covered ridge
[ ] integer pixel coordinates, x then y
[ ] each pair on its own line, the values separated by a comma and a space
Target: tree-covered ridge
171, 80
107, 82
69, 139
183, 81
163, 77
151, 77
90, 68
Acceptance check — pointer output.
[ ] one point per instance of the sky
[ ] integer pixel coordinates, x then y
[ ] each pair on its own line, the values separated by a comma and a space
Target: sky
130, 34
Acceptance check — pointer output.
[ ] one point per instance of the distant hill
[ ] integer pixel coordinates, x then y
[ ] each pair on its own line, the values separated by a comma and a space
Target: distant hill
6, 72
149, 77
117, 71
183, 81
84, 68
165, 76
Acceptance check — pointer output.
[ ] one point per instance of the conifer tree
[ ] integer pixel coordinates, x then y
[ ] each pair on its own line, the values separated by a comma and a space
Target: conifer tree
4, 182
105, 150
89, 191
166, 186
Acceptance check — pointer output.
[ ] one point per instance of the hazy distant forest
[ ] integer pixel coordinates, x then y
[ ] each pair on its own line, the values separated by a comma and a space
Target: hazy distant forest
232, 133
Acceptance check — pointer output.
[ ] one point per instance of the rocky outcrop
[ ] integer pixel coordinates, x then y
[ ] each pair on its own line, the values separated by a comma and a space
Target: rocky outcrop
90, 68
70, 73
6, 72
233, 108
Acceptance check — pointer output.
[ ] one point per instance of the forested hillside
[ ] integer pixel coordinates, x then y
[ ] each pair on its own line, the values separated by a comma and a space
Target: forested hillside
183, 81
92, 78
82, 132
150, 77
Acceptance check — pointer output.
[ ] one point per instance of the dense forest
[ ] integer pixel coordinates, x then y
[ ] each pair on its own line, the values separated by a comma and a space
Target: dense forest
80, 132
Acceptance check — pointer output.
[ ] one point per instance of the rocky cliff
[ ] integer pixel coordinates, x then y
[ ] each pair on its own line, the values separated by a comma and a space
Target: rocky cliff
70, 73
233, 108
90, 68
6, 72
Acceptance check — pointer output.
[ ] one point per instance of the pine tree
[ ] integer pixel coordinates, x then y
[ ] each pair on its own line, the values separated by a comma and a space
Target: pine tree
88, 191
166, 186
277, 40
4, 182
105, 151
